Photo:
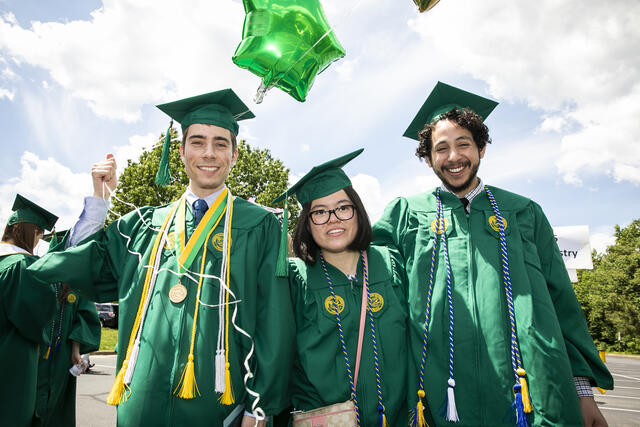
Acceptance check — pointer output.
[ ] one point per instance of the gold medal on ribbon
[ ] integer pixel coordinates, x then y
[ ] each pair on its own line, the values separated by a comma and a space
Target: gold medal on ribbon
177, 293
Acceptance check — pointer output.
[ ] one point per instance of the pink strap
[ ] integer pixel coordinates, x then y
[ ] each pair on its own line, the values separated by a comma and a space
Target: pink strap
363, 311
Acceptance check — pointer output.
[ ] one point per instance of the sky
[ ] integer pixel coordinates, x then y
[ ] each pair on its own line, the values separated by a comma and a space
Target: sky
81, 78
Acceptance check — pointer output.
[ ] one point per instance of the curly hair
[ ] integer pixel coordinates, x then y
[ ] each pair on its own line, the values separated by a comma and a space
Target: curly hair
465, 118
306, 248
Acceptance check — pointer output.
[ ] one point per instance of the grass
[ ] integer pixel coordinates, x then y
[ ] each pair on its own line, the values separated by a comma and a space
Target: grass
109, 339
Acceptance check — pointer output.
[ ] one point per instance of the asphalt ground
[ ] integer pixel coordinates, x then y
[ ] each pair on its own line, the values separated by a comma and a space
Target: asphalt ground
620, 406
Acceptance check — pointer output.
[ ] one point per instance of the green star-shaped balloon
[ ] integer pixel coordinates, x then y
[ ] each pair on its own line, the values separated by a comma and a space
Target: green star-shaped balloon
286, 43
425, 4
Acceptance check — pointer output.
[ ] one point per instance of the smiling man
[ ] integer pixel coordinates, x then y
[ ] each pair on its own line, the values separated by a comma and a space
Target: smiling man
205, 330
497, 335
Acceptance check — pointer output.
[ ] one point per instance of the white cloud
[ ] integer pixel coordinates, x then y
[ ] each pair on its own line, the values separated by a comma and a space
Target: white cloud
132, 151
553, 124
45, 85
370, 192
128, 54
601, 238
570, 59
304, 148
49, 184
8, 73
345, 69
6, 93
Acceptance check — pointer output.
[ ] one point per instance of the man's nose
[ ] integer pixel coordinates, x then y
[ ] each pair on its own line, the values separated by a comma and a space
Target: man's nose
209, 150
454, 155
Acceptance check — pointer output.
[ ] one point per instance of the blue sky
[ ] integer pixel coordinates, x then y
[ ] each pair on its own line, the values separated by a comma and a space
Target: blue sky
80, 78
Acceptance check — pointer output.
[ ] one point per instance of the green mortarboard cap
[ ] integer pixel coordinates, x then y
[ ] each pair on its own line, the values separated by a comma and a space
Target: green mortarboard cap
222, 108
24, 210
320, 181
444, 98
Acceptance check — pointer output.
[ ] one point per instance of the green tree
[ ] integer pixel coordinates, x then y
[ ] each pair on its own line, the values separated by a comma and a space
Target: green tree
610, 293
256, 175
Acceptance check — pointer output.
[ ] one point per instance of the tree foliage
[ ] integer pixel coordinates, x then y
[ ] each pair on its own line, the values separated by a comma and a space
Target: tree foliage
256, 175
610, 293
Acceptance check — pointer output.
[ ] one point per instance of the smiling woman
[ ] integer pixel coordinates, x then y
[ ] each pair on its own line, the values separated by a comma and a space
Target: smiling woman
343, 289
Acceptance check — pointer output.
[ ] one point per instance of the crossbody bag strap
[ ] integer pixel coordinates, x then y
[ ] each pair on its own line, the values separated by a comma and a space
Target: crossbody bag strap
363, 311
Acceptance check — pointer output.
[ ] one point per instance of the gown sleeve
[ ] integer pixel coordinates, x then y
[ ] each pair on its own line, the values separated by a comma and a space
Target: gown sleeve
275, 327
388, 231
29, 305
583, 355
85, 328
92, 268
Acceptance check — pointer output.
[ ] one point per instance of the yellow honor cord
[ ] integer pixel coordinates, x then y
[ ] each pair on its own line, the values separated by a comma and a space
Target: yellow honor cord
524, 391
227, 397
188, 386
118, 390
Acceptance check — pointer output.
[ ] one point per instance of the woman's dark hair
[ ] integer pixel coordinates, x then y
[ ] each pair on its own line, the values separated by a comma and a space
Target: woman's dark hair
22, 234
306, 248
464, 118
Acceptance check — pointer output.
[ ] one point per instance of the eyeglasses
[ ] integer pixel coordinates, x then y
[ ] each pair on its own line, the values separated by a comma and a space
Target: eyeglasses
322, 216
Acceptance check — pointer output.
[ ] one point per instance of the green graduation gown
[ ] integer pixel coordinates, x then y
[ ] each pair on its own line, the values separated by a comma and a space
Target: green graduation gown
25, 309
75, 320
320, 373
551, 329
104, 269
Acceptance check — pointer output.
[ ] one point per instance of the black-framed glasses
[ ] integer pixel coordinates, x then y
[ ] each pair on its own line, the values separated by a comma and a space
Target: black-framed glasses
322, 216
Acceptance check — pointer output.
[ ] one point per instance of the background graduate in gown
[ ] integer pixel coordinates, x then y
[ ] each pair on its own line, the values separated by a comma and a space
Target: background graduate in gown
26, 307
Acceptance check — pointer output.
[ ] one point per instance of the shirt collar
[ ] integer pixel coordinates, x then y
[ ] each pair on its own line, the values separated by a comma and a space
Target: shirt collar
470, 195
9, 249
191, 197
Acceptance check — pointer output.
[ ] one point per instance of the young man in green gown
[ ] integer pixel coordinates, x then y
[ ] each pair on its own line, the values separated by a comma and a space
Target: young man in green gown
205, 327
506, 340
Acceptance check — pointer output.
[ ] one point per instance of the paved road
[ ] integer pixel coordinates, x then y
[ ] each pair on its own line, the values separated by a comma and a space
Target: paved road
621, 406
92, 391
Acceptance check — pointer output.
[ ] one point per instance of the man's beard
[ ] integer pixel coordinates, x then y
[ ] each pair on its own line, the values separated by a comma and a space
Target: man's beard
465, 185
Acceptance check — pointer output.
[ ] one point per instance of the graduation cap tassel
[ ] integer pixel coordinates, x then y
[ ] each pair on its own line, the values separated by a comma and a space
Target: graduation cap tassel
163, 176
283, 253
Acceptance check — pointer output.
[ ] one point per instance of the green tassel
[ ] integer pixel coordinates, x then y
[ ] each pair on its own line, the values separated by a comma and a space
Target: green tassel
163, 176
282, 268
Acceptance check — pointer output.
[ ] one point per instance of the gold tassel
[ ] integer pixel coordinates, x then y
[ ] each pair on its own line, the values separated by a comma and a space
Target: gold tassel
524, 390
46, 355
384, 421
227, 397
117, 391
420, 409
188, 381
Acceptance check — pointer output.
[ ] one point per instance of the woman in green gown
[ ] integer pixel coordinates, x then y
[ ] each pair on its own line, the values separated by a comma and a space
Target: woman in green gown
73, 330
25, 309
331, 242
